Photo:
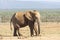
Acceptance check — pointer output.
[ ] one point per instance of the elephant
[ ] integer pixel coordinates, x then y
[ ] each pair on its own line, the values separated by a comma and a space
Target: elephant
22, 19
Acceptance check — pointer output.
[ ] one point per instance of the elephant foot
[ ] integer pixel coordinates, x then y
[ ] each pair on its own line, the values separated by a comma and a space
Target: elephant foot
32, 35
15, 35
20, 35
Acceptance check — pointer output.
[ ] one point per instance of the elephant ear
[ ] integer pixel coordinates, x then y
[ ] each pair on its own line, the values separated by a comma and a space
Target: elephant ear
28, 15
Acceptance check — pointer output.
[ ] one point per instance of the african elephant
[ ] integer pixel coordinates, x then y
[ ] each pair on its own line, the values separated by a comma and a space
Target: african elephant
22, 19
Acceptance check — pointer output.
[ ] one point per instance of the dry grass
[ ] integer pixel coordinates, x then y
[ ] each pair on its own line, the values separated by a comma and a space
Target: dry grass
49, 31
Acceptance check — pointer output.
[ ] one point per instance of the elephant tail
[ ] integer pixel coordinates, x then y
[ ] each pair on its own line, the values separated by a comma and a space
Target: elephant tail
10, 24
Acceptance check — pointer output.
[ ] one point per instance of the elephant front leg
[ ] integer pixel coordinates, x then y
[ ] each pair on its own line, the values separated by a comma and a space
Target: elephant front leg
31, 28
35, 29
31, 31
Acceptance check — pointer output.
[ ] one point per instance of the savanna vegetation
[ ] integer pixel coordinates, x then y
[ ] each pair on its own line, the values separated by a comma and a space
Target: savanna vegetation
47, 15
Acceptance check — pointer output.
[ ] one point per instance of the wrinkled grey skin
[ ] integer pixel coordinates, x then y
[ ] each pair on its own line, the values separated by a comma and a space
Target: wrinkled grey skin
22, 19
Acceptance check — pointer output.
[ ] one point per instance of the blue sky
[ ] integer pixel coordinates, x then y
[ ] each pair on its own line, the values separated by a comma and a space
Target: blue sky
18, 4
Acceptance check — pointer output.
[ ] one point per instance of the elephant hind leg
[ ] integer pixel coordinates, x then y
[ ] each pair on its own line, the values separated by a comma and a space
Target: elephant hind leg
15, 32
19, 33
15, 29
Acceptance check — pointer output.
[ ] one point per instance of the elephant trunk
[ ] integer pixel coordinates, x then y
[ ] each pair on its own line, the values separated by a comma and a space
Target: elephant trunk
38, 21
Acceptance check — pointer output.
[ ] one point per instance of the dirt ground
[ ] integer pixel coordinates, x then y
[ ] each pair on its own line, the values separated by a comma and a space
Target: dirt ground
49, 31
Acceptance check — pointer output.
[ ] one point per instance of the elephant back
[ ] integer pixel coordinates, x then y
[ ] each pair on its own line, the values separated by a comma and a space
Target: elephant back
19, 16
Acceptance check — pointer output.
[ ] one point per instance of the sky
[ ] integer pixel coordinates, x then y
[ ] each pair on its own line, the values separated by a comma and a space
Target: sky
33, 0
19, 4
41, 0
